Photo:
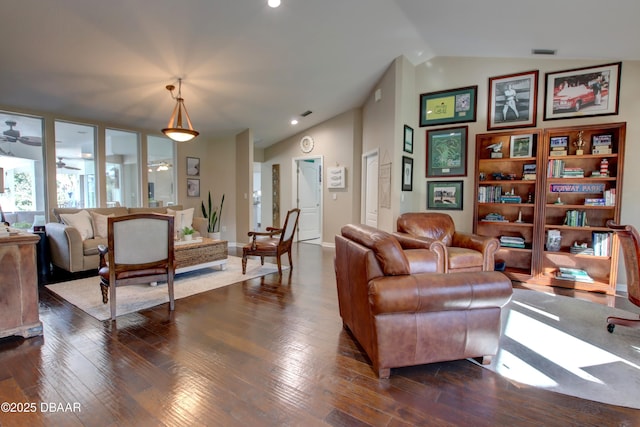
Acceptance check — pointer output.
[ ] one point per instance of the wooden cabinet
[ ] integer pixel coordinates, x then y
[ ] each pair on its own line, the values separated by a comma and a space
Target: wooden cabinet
506, 205
579, 200
19, 286
572, 194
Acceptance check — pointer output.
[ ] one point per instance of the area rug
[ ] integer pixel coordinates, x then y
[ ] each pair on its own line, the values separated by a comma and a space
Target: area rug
85, 293
562, 344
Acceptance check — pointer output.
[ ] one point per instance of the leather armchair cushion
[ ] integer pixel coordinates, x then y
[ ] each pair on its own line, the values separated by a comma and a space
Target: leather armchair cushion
460, 258
421, 261
439, 292
436, 226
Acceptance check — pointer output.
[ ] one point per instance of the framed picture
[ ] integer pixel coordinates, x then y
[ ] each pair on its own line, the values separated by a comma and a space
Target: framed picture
408, 139
446, 153
521, 146
559, 142
407, 173
448, 106
582, 92
193, 187
384, 185
193, 166
512, 101
444, 195
603, 139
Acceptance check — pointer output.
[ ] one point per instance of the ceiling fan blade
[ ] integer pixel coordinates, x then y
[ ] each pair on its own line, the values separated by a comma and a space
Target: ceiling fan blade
33, 141
71, 167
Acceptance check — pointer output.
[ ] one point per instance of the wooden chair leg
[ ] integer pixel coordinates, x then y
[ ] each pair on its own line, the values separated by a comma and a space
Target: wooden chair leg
279, 265
290, 260
261, 260
112, 295
104, 288
244, 263
172, 302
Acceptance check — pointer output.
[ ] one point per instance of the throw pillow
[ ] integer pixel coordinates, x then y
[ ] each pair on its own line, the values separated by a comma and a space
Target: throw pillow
182, 218
81, 221
100, 224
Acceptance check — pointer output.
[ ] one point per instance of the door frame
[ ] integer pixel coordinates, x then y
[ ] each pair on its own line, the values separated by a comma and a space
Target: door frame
294, 187
363, 193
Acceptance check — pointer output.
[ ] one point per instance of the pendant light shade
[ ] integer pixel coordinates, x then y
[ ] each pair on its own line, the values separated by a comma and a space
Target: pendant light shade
174, 129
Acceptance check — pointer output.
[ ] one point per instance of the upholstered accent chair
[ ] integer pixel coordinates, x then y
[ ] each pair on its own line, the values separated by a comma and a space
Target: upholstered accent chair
403, 312
267, 244
459, 251
140, 250
630, 245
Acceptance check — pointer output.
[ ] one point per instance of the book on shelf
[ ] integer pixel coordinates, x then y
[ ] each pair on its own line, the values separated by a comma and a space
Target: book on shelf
595, 202
575, 274
557, 153
494, 217
576, 218
510, 199
512, 242
601, 241
610, 197
572, 173
581, 249
529, 172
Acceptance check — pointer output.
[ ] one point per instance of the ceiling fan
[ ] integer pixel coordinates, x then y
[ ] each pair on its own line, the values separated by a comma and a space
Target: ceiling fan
62, 165
13, 135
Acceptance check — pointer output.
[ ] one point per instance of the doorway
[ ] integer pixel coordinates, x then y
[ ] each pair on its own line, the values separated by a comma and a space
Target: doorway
370, 190
307, 196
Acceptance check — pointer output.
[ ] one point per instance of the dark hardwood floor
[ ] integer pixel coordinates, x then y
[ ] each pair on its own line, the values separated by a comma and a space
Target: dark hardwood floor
257, 353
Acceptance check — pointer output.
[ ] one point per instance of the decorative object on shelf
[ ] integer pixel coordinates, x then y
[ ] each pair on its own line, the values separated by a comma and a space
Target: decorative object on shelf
193, 187
448, 106
601, 144
604, 167
306, 144
558, 201
554, 239
407, 173
496, 150
444, 195
483, 176
530, 197
521, 146
519, 216
529, 172
582, 92
193, 166
512, 101
579, 144
446, 152
174, 129
336, 177
187, 233
559, 146
408, 139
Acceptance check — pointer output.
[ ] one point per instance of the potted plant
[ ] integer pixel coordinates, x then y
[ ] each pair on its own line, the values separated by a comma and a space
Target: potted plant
213, 216
187, 233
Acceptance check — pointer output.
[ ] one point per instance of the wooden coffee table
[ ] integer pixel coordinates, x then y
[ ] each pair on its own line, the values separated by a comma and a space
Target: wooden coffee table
201, 253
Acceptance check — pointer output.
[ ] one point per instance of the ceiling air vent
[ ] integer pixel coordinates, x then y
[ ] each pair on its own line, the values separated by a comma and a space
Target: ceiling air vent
306, 113
543, 51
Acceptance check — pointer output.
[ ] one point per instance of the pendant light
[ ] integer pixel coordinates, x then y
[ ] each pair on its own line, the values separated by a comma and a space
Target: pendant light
174, 129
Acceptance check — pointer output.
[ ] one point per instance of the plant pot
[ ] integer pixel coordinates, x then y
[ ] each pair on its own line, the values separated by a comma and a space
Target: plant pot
214, 236
187, 237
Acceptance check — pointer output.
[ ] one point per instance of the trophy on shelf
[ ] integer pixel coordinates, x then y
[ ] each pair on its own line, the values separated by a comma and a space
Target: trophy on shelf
579, 144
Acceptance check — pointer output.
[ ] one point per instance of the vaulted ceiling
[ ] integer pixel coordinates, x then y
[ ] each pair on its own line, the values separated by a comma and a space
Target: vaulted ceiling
246, 65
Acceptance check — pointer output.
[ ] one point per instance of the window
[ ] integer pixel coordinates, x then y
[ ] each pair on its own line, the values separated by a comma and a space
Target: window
75, 165
21, 159
161, 172
122, 168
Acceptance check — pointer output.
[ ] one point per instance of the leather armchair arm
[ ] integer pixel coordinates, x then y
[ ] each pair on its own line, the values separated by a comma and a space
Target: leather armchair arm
409, 241
488, 246
65, 245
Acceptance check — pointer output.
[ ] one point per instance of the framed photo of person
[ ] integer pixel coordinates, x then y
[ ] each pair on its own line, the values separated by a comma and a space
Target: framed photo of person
408, 139
407, 173
512, 101
446, 152
582, 92
448, 106
521, 146
446, 195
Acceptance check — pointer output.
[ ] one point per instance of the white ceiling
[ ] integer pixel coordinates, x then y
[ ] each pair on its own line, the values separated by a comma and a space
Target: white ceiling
246, 65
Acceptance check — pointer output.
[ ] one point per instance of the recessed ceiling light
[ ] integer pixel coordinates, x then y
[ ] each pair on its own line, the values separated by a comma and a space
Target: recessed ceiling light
273, 3
294, 122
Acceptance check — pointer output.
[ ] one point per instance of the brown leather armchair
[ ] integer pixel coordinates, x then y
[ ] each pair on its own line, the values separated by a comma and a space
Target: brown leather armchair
459, 251
404, 313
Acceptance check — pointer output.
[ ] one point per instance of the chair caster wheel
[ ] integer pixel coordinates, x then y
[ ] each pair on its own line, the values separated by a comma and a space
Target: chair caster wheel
611, 327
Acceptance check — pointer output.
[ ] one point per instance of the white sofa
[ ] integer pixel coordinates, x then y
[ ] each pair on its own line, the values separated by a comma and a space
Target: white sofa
70, 252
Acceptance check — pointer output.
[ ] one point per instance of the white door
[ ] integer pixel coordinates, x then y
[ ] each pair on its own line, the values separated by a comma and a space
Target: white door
309, 193
371, 189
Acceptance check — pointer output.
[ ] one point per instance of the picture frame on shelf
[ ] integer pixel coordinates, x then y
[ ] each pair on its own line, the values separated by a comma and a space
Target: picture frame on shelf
407, 173
408, 139
444, 195
193, 187
446, 152
521, 146
448, 106
193, 166
513, 101
582, 92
